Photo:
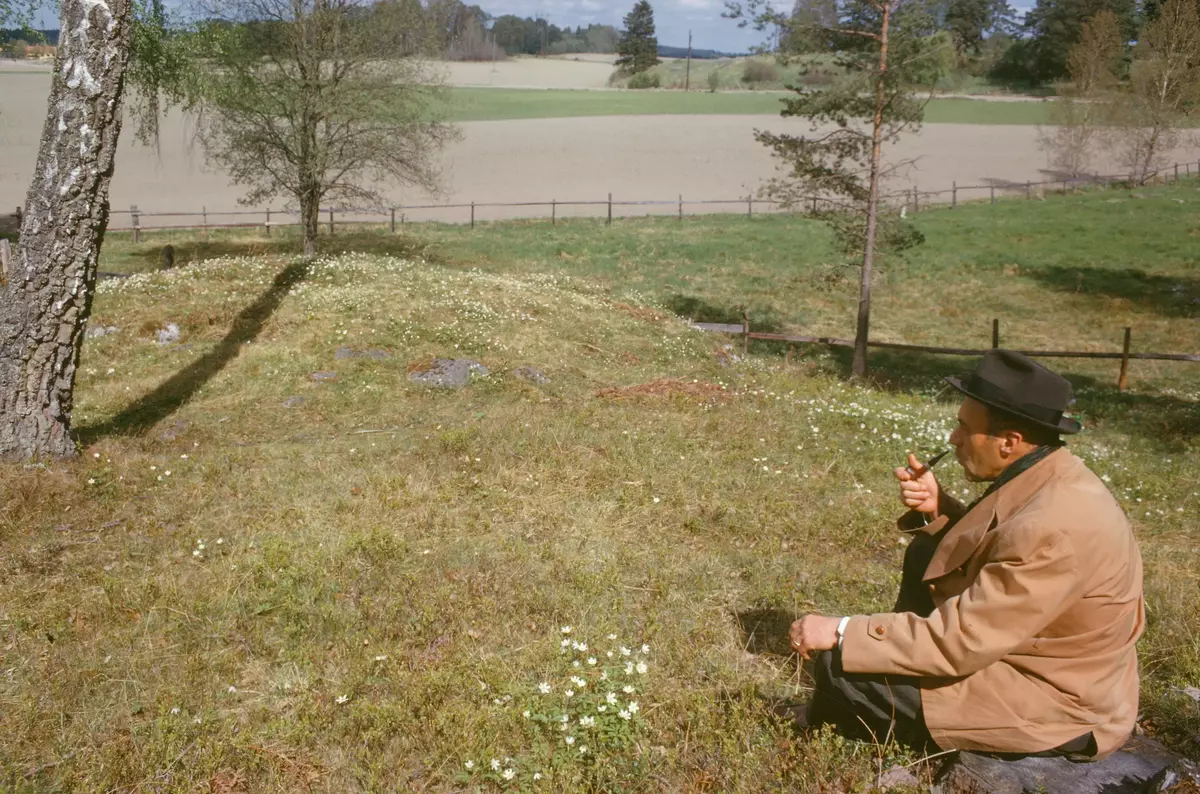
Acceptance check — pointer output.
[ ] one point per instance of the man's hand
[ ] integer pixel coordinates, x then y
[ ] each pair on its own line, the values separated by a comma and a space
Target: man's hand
814, 633
918, 492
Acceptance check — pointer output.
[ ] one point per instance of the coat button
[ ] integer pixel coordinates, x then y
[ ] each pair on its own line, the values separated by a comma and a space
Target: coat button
879, 630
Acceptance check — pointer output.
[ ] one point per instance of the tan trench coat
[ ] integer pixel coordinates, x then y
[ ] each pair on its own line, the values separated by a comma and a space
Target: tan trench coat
1038, 595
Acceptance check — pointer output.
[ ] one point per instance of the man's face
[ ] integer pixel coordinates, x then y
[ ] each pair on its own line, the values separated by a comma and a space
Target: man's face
981, 455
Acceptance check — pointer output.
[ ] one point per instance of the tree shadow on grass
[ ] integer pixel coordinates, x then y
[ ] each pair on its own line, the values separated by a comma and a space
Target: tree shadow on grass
699, 310
1169, 296
765, 631
1172, 422
149, 253
173, 393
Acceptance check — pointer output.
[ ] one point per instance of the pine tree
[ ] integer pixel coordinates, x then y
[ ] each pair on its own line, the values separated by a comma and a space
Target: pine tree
638, 46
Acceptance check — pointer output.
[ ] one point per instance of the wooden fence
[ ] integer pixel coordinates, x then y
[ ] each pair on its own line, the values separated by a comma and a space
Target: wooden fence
1125, 356
912, 199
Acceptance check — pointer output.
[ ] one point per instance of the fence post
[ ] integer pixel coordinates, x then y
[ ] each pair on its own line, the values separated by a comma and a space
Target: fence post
393, 223
954, 195
993, 187
1177, 172
204, 211
745, 332
1123, 380
5, 255
995, 333
553, 212
1028, 190
20, 213
814, 205
331, 220
916, 199
472, 214
137, 229
268, 223
681, 208
609, 221
750, 206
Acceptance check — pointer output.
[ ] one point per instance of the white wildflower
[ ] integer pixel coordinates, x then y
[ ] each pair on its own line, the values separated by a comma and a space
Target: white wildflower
624, 714
570, 740
610, 698
495, 764
544, 688
569, 693
628, 689
625, 651
469, 764
641, 668
525, 714
587, 722
566, 629
633, 707
592, 660
509, 774
342, 699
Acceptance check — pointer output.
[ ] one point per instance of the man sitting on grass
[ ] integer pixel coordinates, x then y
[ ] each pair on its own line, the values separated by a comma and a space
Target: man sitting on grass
1015, 627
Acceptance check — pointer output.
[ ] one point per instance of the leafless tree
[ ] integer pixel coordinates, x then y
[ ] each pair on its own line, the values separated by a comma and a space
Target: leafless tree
46, 298
1146, 120
302, 99
1080, 113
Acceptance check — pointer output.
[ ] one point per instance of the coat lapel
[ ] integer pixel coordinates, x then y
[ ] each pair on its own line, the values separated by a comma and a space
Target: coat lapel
964, 538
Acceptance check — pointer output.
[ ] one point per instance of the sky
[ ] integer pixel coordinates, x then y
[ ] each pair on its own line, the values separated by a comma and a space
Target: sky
673, 19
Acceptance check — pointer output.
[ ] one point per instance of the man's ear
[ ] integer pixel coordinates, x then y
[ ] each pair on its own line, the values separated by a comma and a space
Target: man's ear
1010, 441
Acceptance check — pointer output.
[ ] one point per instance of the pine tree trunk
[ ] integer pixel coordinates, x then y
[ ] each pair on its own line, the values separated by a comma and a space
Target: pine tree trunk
46, 299
862, 333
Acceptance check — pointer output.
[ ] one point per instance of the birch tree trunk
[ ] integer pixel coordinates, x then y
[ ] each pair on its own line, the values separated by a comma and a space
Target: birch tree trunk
46, 298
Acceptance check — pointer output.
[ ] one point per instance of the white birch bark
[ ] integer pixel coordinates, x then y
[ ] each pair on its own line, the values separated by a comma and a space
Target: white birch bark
46, 297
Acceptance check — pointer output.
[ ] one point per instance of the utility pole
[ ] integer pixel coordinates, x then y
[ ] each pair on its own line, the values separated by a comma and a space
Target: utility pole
687, 80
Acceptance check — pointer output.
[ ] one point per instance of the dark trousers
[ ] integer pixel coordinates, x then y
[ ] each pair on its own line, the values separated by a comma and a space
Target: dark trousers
878, 707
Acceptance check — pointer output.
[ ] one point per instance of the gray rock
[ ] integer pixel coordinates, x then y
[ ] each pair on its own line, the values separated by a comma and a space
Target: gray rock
448, 373
343, 353
173, 430
293, 402
100, 330
1183, 773
896, 777
168, 334
1127, 771
322, 376
531, 374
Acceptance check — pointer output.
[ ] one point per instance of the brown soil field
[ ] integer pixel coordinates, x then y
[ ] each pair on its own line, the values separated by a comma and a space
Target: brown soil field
642, 158
567, 71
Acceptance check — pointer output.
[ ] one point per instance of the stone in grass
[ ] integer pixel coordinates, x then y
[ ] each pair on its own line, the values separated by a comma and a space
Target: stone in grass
100, 330
293, 402
323, 376
343, 353
1130, 770
447, 373
531, 374
168, 334
896, 777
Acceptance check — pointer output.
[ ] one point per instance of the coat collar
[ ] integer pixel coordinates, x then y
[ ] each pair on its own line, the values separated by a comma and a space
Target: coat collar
964, 537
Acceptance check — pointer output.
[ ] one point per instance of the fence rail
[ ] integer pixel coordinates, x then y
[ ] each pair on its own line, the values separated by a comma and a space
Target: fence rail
912, 199
1125, 356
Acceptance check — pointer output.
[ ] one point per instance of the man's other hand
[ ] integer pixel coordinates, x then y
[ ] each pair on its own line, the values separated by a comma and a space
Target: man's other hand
814, 633
920, 491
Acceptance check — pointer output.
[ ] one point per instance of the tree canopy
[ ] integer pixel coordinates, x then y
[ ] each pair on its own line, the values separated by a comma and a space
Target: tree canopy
638, 46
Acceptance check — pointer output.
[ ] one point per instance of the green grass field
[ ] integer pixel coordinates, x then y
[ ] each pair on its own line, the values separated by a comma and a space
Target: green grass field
494, 104
257, 580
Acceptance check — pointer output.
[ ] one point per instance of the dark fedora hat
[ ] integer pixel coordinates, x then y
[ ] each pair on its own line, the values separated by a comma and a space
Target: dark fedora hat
1017, 384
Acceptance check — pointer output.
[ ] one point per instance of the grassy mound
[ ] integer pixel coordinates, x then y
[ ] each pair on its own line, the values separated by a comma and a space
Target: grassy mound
258, 580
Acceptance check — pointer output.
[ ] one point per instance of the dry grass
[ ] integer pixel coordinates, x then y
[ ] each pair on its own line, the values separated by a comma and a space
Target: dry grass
361, 591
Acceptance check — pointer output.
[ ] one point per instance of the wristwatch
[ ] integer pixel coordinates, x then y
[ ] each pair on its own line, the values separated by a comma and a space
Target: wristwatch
841, 630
